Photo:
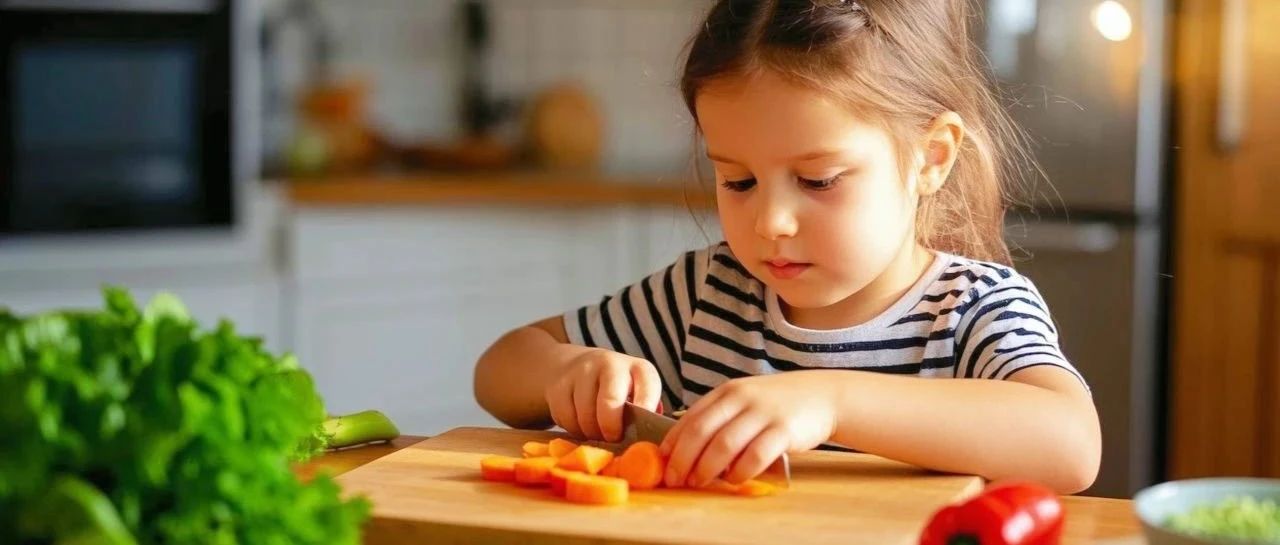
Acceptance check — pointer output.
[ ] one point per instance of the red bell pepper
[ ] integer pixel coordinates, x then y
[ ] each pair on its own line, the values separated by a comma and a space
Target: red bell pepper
1004, 514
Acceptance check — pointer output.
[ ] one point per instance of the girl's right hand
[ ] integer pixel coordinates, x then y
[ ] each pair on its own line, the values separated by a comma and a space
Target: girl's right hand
586, 400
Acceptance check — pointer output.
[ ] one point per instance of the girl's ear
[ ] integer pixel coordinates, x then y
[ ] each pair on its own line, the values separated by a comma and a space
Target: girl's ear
939, 150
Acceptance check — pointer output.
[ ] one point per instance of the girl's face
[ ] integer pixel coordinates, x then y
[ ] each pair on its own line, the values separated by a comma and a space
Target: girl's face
810, 196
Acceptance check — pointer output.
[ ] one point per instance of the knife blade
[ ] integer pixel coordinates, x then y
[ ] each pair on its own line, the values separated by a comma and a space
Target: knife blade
640, 424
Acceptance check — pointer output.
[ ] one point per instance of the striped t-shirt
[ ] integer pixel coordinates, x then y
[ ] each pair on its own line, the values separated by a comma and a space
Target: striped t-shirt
705, 320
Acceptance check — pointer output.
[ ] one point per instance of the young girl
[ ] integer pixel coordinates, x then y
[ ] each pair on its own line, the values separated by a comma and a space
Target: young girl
860, 157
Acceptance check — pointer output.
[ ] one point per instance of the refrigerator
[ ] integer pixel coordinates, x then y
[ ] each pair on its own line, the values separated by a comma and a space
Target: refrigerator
1087, 80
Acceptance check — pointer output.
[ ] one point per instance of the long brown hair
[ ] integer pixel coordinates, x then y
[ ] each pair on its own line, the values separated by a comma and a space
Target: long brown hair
899, 62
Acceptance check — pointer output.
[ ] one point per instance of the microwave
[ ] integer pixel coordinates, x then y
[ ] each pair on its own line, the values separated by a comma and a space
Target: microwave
117, 116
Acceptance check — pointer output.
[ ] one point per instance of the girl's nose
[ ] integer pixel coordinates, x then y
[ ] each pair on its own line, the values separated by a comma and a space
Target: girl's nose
776, 218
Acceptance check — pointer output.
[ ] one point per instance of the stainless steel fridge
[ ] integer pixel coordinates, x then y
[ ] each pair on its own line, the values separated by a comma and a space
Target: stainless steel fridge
1087, 80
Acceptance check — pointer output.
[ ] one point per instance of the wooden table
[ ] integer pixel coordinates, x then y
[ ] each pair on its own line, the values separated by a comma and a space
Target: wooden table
1089, 520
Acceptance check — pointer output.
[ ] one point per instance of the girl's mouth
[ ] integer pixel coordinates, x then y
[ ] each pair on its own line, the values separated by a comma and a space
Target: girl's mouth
786, 270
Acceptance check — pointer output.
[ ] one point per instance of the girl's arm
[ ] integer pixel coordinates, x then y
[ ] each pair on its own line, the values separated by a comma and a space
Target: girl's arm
1040, 424
511, 377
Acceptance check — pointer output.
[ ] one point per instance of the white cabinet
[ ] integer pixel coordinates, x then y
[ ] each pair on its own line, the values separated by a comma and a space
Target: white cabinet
392, 307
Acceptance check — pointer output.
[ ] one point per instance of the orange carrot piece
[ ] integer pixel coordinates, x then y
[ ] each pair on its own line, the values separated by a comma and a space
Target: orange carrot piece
595, 490
587, 459
560, 447
751, 488
611, 470
534, 471
534, 449
498, 468
559, 479
755, 489
721, 486
642, 465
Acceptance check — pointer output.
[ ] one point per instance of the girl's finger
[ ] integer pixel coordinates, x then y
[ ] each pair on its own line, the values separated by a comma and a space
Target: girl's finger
646, 385
668, 442
765, 449
695, 432
725, 447
613, 387
560, 401
585, 391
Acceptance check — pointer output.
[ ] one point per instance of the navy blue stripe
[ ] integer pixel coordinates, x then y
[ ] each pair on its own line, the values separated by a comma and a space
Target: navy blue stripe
992, 339
661, 325
936, 298
919, 317
1013, 314
971, 298
973, 322
972, 276
732, 291
982, 372
696, 388
639, 335
744, 351
586, 330
672, 308
938, 363
961, 308
1024, 347
857, 346
688, 282
780, 364
608, 327
1073, 372
698, 360
630, 313
732, 264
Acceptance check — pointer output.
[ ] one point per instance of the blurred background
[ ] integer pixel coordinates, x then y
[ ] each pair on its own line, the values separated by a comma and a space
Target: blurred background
384, 187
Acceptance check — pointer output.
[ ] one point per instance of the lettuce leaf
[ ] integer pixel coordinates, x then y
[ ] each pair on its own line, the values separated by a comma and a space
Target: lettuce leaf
130, 425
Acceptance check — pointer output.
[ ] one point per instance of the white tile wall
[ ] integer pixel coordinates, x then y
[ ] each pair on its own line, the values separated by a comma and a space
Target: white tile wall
626, 53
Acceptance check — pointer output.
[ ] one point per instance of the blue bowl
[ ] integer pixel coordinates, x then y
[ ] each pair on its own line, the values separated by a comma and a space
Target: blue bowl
1156, 504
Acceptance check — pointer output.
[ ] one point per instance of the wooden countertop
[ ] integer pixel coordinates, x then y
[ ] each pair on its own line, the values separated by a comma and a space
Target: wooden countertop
1090, 521
499, 188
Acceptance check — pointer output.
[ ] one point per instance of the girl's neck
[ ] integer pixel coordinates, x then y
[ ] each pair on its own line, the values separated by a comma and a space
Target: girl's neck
903, 272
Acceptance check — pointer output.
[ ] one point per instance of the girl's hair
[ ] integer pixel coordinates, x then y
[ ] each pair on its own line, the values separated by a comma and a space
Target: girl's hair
900, 63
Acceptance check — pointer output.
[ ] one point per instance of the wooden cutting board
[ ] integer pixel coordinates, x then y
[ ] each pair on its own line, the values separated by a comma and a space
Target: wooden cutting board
431, 492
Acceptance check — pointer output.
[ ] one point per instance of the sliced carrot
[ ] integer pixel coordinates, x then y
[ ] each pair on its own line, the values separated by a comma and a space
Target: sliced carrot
751, 488
756, 488
498, 468
534, 471
534, 449
642, 465
595, 490
560, 447
722, 486
610, 470
559, 479
587, 459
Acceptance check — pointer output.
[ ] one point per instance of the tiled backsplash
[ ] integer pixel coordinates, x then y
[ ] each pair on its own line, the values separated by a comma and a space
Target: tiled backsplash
625, 52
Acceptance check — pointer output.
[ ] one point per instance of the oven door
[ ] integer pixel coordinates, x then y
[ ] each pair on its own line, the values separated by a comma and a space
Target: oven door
115, 115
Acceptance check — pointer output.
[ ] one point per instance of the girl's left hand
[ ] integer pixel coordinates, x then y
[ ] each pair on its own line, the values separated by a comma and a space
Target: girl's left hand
746, 424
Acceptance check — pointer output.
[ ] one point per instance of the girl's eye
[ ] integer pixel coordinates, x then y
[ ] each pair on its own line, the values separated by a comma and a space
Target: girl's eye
820, 185
739, 185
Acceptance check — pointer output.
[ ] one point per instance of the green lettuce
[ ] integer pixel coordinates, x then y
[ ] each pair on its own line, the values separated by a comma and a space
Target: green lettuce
133, 426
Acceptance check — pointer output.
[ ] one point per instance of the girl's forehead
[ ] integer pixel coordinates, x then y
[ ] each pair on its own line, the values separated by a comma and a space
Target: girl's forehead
745, 115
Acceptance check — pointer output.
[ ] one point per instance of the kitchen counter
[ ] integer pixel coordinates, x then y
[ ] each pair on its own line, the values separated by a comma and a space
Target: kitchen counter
1090, 521
504, 188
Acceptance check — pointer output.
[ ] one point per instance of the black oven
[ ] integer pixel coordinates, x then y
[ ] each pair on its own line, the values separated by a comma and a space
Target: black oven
116, 115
